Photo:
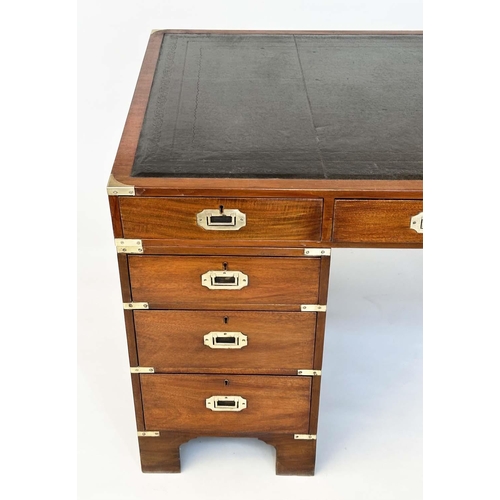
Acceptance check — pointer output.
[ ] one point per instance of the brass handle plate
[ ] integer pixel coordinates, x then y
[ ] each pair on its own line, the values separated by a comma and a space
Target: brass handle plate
226, 403
225, 220
224, 280
417, 222
225, 340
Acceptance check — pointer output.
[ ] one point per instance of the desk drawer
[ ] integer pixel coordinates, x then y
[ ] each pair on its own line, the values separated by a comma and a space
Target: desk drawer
256, 219
376, 221
236, 341
267, 404
183, 282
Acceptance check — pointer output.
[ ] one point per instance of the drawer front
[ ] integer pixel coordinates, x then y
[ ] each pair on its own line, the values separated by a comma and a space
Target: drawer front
177, 282
376, 221
197, 341
272, 403
265, 218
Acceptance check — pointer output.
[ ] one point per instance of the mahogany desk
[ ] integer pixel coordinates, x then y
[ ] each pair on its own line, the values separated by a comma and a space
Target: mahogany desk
245, 157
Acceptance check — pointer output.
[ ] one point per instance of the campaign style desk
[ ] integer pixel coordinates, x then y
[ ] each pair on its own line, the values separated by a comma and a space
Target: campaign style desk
245, 158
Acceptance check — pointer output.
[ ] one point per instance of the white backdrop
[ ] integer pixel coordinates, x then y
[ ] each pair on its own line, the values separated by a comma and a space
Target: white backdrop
370, 436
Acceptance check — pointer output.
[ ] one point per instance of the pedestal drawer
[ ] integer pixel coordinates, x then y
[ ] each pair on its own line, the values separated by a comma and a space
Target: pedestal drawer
261, 403
233, 341
226, 282
211, 219
377, 222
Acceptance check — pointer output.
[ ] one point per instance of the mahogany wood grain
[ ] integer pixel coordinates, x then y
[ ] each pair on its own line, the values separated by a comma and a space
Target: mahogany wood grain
266, 218
375, 221
324, 279
277, 343
274, 403
175, 281
240, 307
328, 203
162, 454
315, 399
131, 339
257, 188
319, 344
294, 457
320, 336
129, 318
221, 247
139, 412
316, 381
128, 315
114, 208
124, 277
181, 247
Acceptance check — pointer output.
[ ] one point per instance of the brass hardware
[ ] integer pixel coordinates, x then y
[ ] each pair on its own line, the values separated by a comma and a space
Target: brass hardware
135, 305
317, 252
226, 403
221, 220
154, 31
128, 246
312, 308
417, 222
116, 188
142, 369
305, 436
311, 373
224, 280
148, 433
225, 340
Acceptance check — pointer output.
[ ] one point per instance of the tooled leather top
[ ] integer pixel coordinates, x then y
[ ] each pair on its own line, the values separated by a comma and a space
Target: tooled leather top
284, 106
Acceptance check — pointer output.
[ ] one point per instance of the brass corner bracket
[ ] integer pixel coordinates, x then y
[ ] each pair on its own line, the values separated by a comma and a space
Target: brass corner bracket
116, 188
135, 305
310, 373
317, 252
148, 433
312, 308
142, 369
128, 246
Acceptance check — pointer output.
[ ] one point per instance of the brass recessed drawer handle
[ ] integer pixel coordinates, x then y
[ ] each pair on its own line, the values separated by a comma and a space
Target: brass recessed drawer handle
226, 403
417, 222
221, 220
224, 280
225, 340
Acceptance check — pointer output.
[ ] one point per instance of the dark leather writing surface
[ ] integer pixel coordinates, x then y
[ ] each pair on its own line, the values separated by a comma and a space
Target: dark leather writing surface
284, 106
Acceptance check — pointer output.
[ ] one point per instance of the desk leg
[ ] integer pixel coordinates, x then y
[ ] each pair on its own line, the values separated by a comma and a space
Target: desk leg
294, 457
161, 454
